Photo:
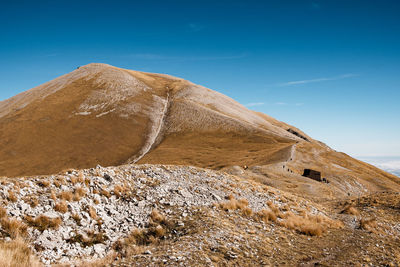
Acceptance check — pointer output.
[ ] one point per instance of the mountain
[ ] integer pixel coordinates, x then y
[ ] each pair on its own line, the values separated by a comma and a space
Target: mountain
100, 114
191, 177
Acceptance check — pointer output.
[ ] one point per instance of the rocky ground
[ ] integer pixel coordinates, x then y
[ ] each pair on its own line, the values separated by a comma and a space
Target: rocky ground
151, 215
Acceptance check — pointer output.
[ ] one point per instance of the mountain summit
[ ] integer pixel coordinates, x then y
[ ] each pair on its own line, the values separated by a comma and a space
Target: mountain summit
100, 114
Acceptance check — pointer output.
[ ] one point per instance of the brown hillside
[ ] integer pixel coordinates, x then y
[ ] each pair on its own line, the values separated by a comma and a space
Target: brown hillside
99, 114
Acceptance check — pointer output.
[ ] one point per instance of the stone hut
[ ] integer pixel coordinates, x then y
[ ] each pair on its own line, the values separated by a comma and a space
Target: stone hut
315, 175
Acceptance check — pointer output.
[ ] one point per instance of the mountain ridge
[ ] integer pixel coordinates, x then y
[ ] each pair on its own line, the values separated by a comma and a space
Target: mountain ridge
100, 114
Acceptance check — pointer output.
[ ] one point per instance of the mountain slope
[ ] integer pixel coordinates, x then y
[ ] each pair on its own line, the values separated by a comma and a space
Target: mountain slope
99, 114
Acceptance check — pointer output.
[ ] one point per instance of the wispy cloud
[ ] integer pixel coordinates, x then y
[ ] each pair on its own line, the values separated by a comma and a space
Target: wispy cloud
281, 103
151, 56
195, 27
254, 104
324, 79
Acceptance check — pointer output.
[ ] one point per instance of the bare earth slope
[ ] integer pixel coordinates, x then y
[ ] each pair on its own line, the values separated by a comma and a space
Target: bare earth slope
99, 114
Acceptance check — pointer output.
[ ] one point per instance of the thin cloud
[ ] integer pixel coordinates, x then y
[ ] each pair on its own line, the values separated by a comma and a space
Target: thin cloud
254, 104
341, 77
281, 103
195, 27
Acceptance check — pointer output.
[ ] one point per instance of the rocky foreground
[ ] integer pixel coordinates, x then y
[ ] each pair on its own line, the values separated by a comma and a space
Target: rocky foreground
177, 215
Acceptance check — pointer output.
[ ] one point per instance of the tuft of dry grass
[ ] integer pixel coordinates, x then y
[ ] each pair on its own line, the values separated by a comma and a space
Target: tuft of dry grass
3, 212
61, 206
313, 225
233, 204
79, 193
74, 180
267, 215
92, 213
17, 254
43, 222
105, 193
89, 239
118, 190
76, 218
156, 216
159, 231
66, 195
13, 227
81, 177
349, 209
53, 195
369, 224
43, 183
11, 196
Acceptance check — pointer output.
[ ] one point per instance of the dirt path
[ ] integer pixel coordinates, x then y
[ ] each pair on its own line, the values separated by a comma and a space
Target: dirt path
152, 136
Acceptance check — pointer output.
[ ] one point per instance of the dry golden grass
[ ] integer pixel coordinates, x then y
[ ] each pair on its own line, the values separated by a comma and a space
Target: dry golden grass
369, 224
81, 177
349, 209
313, 225
233, 204
43, 222
74, 180
79, 192
118, 190
13, 227
61, 206
11, 196
3, 212
17, 254
156, 216
53, 195
105, 193
92, 213
159, 231
267, 215
76, 218
43, 183
66, 195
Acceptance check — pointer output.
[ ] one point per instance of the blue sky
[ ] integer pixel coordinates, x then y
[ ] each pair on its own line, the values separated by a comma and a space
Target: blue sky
331, 68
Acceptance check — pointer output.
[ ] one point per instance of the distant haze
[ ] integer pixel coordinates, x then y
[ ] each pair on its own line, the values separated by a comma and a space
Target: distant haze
389, 164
